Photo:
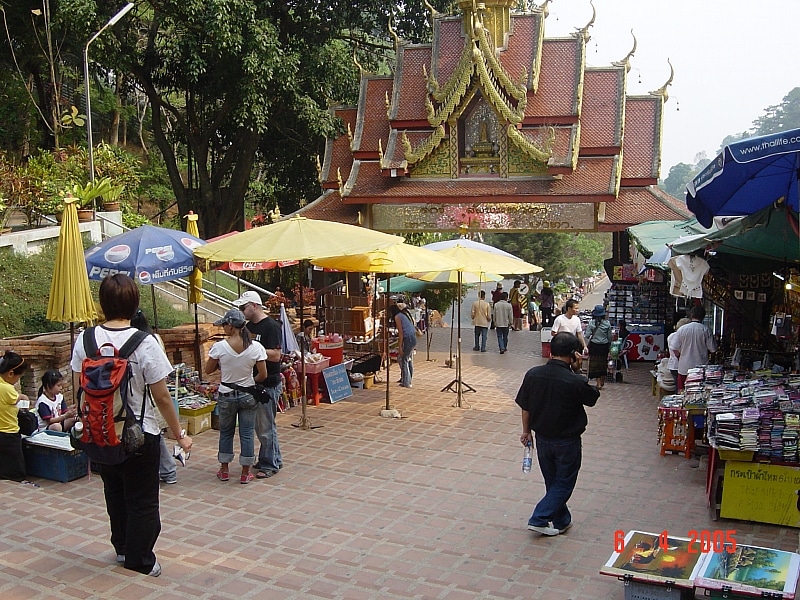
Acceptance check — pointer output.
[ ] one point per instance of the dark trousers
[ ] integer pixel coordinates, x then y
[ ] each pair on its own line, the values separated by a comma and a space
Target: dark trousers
560, 462
547, 316
12, 461
131, 491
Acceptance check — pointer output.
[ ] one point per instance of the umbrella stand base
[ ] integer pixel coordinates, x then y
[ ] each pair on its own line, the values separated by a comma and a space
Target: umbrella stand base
306, 424
453, 387
391, 414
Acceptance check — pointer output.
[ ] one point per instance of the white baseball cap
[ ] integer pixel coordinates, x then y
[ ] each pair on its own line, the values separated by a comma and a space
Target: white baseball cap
247, 298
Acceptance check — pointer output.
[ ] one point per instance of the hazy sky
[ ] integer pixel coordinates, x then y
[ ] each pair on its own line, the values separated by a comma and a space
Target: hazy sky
732, 59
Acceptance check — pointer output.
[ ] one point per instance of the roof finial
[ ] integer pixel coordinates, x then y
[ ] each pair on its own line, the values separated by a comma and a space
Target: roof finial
394, 33
626, 62
380, 149
434, 13
585, 30
319, 170
662, 91
355, 60
545, 8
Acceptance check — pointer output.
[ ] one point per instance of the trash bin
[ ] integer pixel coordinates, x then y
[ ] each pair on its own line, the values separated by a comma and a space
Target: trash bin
546, 335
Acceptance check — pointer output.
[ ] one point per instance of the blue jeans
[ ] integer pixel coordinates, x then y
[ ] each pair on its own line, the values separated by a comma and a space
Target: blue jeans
559, 461
243, 406
406, 361
167, 468
502, 338
269, 455
480, 338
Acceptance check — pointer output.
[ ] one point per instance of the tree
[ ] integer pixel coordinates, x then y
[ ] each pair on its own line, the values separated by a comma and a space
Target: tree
679, 176
785, 115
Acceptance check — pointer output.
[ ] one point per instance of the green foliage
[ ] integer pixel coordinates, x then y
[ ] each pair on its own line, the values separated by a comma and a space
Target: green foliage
679, 176
781, 117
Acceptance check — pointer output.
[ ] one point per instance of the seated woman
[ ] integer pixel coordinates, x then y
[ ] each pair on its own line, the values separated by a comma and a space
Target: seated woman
51, 408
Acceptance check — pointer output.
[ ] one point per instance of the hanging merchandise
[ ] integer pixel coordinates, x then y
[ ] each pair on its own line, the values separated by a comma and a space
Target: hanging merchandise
691, 270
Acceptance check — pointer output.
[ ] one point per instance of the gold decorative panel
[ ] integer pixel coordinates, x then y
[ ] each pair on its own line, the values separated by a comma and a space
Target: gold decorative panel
519, 163
436, 164
498, 217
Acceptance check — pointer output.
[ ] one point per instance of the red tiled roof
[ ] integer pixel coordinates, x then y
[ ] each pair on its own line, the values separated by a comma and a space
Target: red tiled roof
592, 181
337, 151
562, 146
370, 130
408, 102
637, 205
601, 109
556, 99
449, 38
640, 144
521, 46
329, 207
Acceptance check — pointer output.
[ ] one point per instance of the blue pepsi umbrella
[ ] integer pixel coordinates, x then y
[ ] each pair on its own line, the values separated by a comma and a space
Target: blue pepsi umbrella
747, 176
147, 254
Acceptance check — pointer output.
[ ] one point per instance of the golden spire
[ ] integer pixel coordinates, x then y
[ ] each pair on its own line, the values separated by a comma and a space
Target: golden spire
339, 180
662, 91
584, 32
394, 33
626, 62
349, 133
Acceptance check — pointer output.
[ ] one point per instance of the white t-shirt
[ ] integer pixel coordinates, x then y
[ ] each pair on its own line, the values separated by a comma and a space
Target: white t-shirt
237, 367
694, 341
149, 365
53, 408
569, 324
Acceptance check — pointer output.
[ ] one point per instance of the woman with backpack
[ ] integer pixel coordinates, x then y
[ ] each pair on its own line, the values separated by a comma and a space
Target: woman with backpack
131, 487
598, 334
12, 462
235, 357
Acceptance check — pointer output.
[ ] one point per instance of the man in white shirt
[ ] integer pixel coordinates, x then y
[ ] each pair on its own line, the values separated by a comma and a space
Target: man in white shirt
692, 343
570, 322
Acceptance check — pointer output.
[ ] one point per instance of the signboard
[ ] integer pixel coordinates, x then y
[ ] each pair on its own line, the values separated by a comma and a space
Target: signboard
506, 216
761, 492
337, 382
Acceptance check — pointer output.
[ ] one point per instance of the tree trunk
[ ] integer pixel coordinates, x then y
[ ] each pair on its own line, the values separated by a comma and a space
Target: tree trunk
115, 119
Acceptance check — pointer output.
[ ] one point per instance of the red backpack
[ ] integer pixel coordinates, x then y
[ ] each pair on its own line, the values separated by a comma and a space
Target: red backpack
111, 431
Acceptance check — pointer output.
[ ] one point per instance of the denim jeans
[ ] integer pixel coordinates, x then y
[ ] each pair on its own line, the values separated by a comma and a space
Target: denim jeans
480, 338
502, 338
269, 455
243, 406
167, 467
406, 361
559, 460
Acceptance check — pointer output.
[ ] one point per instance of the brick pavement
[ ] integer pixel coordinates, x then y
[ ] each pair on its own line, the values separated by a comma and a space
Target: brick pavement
433, 505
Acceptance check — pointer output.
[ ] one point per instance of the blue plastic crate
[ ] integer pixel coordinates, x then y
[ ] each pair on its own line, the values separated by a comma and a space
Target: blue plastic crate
53, 464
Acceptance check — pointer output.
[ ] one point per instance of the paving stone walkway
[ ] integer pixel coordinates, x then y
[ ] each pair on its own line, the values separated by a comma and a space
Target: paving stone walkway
433, 505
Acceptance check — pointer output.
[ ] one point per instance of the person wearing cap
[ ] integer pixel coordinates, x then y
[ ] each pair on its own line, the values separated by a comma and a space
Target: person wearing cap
235, 357
266, 331
598, 334
547, 302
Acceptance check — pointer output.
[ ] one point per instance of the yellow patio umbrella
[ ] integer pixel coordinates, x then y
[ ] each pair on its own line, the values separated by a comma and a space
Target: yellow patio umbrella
195, 287
70, 297
486, 265
296, 238
400, 258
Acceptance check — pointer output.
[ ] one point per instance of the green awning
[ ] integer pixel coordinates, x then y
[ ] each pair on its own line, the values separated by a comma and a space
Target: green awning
652, 235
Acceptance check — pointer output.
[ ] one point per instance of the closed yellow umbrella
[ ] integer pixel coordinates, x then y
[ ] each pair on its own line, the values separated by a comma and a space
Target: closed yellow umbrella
70, 297
196, 278
195, 289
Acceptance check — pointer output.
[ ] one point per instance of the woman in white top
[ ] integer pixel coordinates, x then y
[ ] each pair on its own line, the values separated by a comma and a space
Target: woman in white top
235, 356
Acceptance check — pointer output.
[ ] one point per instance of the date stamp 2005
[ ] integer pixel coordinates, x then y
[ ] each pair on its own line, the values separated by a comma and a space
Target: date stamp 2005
718, 540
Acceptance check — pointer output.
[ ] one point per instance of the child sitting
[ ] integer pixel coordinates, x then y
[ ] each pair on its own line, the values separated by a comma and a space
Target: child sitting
51, 409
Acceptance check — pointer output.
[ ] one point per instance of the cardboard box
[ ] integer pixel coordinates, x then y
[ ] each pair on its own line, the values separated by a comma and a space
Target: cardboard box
184, 421
199, 424
194, 412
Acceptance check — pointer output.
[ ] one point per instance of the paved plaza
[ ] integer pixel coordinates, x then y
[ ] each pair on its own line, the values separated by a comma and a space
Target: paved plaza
433, 505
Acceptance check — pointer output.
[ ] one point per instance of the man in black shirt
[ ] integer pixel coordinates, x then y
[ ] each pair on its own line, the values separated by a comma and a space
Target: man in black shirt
552, 398
266, 331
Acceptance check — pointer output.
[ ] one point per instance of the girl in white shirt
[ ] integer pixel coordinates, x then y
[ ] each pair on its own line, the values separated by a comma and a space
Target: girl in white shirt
51, 409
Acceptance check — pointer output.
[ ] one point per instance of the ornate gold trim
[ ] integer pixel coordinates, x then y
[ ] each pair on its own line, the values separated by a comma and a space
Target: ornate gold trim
536, 154
626, 62
662, 91
414, 155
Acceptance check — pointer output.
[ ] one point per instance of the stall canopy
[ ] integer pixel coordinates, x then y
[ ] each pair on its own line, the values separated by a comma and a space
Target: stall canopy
649, 237
765, 240
747, 176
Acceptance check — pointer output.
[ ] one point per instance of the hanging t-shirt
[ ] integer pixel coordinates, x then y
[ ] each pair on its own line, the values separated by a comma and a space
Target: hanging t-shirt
693, 269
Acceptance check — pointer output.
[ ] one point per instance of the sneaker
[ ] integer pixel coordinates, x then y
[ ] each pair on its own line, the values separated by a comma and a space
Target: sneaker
169, 481
544, 529
121, 559
502, 351
564, 529
476, 348
156, 570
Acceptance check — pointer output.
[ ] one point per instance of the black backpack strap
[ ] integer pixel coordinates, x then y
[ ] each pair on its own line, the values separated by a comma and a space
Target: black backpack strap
89, 343
132, 344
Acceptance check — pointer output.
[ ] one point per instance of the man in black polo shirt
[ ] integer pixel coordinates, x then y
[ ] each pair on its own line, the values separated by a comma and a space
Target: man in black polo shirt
266, 331
552, 398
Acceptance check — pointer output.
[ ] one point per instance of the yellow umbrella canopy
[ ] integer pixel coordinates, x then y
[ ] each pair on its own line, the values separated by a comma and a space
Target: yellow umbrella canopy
481, 261
70, 297
400, 258
296, 238
196, 278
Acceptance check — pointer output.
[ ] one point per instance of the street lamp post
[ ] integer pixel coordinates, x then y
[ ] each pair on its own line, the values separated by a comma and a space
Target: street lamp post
125, 9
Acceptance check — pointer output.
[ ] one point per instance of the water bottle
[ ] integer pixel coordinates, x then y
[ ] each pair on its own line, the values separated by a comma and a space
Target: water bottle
77, 430
527, 459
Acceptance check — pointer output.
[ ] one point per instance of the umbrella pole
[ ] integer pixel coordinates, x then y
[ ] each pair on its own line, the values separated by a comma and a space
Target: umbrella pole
427, 334
386, 338
452, 324
304, 422
155, 312
197, 354
459, 392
